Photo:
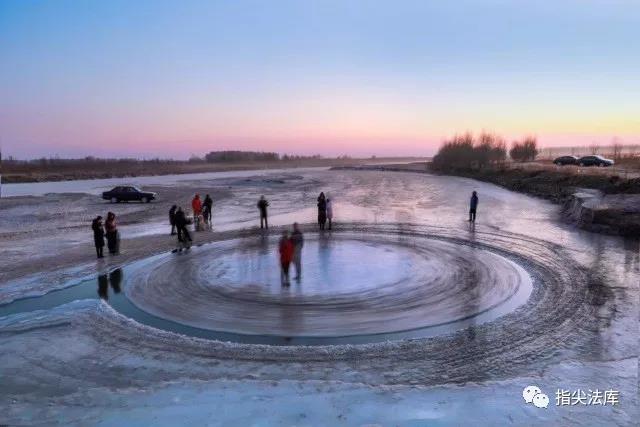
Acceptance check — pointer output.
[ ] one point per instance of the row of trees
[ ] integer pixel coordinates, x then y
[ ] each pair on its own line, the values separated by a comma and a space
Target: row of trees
236, 156
240, 156
57, 163
487, 149
231, 156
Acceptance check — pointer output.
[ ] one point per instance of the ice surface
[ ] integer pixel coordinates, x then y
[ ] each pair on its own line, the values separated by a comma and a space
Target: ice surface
97, 186
85, 364
352, 284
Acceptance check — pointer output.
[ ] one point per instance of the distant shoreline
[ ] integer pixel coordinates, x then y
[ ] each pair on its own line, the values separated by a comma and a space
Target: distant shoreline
537, 179
132, 171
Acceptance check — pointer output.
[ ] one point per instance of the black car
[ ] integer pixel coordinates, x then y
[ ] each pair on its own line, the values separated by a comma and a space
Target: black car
566, 160
594, 161
128, 194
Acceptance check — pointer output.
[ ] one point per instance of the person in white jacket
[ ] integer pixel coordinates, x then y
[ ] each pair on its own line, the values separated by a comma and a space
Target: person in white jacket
329, 211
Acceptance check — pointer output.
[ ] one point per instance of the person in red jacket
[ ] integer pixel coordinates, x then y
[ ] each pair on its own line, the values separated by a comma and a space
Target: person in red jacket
286, 249
196, 205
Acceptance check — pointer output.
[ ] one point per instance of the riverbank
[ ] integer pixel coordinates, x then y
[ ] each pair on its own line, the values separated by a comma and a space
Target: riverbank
552, 185
595, 202
21, 173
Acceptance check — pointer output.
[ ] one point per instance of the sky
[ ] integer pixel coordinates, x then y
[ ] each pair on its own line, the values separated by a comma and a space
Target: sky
177, 78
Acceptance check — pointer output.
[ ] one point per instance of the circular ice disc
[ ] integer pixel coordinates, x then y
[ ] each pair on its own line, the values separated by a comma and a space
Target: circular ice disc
351, 284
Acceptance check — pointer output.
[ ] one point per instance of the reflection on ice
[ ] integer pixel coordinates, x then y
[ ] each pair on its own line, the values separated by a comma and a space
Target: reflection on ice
114, 279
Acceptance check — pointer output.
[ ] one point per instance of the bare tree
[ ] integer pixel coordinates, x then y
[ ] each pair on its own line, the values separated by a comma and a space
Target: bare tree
594, 148
524, 151
616, 149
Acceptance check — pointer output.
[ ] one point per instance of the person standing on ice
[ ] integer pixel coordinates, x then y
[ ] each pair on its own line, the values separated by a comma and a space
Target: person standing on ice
207, 210
98, 235
196, 205
473, 205
184, 238
285, 247
322, 211
112, 234
172, 219
298, 241
262, 206
329, 211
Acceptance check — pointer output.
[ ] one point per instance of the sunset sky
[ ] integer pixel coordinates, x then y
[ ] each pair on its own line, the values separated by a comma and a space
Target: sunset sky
171, 79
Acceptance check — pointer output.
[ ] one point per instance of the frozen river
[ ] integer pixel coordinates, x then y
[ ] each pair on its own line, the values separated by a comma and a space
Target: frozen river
96, 186
519, 299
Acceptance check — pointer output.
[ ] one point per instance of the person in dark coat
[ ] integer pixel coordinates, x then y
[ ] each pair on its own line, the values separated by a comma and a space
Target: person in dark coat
184, 238
298, 242
207, 209
172, 219
98, 235
473, 205
322, 211
262, 206
112, 234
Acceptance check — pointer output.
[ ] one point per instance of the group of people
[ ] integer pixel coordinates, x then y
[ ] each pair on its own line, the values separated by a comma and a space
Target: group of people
325, 211
290, 246
290, 249
202, 213
108, 230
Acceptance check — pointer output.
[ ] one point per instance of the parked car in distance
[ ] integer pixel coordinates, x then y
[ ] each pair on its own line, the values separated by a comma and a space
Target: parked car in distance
128, 194
566, 160
594, 161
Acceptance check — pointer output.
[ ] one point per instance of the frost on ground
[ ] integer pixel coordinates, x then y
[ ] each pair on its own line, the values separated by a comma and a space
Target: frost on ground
86, 364
294, 403
140, 388
83, 363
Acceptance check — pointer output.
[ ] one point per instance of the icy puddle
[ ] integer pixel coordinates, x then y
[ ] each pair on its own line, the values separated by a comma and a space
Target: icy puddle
355, 288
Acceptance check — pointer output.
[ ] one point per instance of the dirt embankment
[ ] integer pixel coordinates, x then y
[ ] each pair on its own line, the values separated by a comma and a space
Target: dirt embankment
606, 213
